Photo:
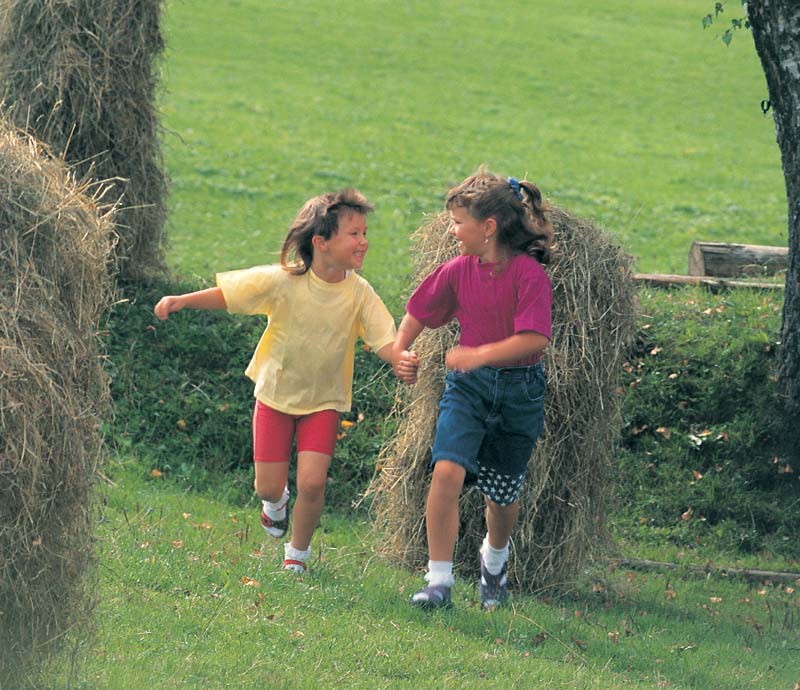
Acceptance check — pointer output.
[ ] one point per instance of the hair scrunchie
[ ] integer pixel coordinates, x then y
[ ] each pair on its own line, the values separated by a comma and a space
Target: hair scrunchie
513, 182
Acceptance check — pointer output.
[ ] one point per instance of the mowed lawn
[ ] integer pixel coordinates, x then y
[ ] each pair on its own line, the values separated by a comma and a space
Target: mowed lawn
626, 113
192, 596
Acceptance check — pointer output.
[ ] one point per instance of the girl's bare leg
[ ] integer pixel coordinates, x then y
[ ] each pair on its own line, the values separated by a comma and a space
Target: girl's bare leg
271, 478
312, 477
500, 521
441, 510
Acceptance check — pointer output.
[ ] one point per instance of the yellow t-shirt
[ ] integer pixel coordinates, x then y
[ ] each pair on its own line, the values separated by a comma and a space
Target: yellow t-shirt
304, 360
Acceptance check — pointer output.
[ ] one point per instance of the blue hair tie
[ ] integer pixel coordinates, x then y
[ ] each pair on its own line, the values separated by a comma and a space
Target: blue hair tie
514, 184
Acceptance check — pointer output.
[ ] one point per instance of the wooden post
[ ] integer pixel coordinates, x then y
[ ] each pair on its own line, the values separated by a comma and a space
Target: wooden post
731, 260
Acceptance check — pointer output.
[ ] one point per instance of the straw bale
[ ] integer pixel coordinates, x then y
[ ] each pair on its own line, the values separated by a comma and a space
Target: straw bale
54, 285
80, 75
568, 485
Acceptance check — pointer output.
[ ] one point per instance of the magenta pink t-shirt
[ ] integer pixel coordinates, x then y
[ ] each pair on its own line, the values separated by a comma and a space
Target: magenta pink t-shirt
488, 307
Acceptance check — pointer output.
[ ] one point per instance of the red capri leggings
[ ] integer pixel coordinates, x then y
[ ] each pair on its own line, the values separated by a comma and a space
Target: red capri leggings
274, 431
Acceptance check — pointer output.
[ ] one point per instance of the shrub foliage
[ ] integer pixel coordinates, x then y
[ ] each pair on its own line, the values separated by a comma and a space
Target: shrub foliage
704, 453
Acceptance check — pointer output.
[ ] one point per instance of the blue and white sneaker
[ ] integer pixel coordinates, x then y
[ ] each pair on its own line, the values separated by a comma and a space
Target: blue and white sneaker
494, 588
433, 597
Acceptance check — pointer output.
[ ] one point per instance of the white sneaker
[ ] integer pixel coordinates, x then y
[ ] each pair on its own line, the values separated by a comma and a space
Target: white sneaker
295, 566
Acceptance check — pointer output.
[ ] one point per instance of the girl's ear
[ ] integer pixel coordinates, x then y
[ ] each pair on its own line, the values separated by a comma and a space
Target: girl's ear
319, 243
490, 227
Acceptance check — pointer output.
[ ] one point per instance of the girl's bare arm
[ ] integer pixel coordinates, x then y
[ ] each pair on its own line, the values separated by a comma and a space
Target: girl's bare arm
518, 346
407, 333
211, 298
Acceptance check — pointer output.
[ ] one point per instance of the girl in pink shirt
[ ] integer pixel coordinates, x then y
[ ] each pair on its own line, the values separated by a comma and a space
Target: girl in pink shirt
492, 410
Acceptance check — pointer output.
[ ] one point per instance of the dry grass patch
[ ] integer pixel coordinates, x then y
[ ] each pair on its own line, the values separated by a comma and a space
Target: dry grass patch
54, 285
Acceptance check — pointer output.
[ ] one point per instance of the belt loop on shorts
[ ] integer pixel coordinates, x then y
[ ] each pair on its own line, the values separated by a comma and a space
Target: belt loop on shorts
527, 372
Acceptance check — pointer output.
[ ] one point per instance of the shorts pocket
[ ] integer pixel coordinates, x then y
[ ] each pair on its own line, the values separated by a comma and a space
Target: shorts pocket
534, 388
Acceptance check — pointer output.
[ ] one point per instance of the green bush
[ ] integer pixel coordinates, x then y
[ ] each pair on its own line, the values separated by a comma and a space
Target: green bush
703, 453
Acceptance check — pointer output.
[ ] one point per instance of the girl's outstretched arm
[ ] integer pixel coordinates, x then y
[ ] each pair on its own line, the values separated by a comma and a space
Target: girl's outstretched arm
212, 298
518, 346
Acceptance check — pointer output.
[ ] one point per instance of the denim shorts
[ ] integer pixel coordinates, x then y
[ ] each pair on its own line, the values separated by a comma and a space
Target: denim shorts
489, 421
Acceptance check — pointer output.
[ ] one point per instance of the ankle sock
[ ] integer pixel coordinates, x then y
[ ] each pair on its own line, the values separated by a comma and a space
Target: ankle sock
292, 554
277, 511
493, 558
440, 573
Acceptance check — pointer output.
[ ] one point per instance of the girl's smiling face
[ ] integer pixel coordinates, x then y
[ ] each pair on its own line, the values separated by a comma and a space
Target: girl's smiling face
468, 231
347, 247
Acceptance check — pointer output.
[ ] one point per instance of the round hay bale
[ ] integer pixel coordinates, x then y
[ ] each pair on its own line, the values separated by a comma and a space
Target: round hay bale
568, 486
80, 76
54, 286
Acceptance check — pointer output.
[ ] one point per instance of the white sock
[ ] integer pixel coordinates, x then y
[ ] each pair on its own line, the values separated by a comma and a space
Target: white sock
440, 573
277, 511
493, 558
292, 554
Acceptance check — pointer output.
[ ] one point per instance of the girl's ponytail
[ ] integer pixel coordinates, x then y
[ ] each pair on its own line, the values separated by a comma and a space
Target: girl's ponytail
543, 230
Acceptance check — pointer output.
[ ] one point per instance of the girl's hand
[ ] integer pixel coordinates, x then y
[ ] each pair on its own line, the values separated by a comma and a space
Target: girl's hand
166, 306
463, 358
406, 366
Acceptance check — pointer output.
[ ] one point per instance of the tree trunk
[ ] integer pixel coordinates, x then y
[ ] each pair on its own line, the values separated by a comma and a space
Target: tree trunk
775, 26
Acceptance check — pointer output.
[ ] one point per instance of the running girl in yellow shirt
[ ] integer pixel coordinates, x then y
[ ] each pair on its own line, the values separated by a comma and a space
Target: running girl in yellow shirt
317, 305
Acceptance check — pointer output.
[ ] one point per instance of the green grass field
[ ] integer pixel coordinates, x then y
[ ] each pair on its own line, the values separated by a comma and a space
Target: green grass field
629, 114
192, 597
625, 113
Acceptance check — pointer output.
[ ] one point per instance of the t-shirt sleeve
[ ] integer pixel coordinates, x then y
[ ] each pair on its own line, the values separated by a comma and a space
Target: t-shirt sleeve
534, 302
249, 290
376, 326
434, 302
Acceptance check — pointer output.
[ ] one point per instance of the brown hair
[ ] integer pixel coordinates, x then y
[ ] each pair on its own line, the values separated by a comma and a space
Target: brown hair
516, 206
319, 216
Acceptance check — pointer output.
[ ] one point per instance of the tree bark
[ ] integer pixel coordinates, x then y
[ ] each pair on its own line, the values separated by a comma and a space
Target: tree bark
775, 27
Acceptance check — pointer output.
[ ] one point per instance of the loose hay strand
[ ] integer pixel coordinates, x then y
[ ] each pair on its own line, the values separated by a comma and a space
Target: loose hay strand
568, 486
